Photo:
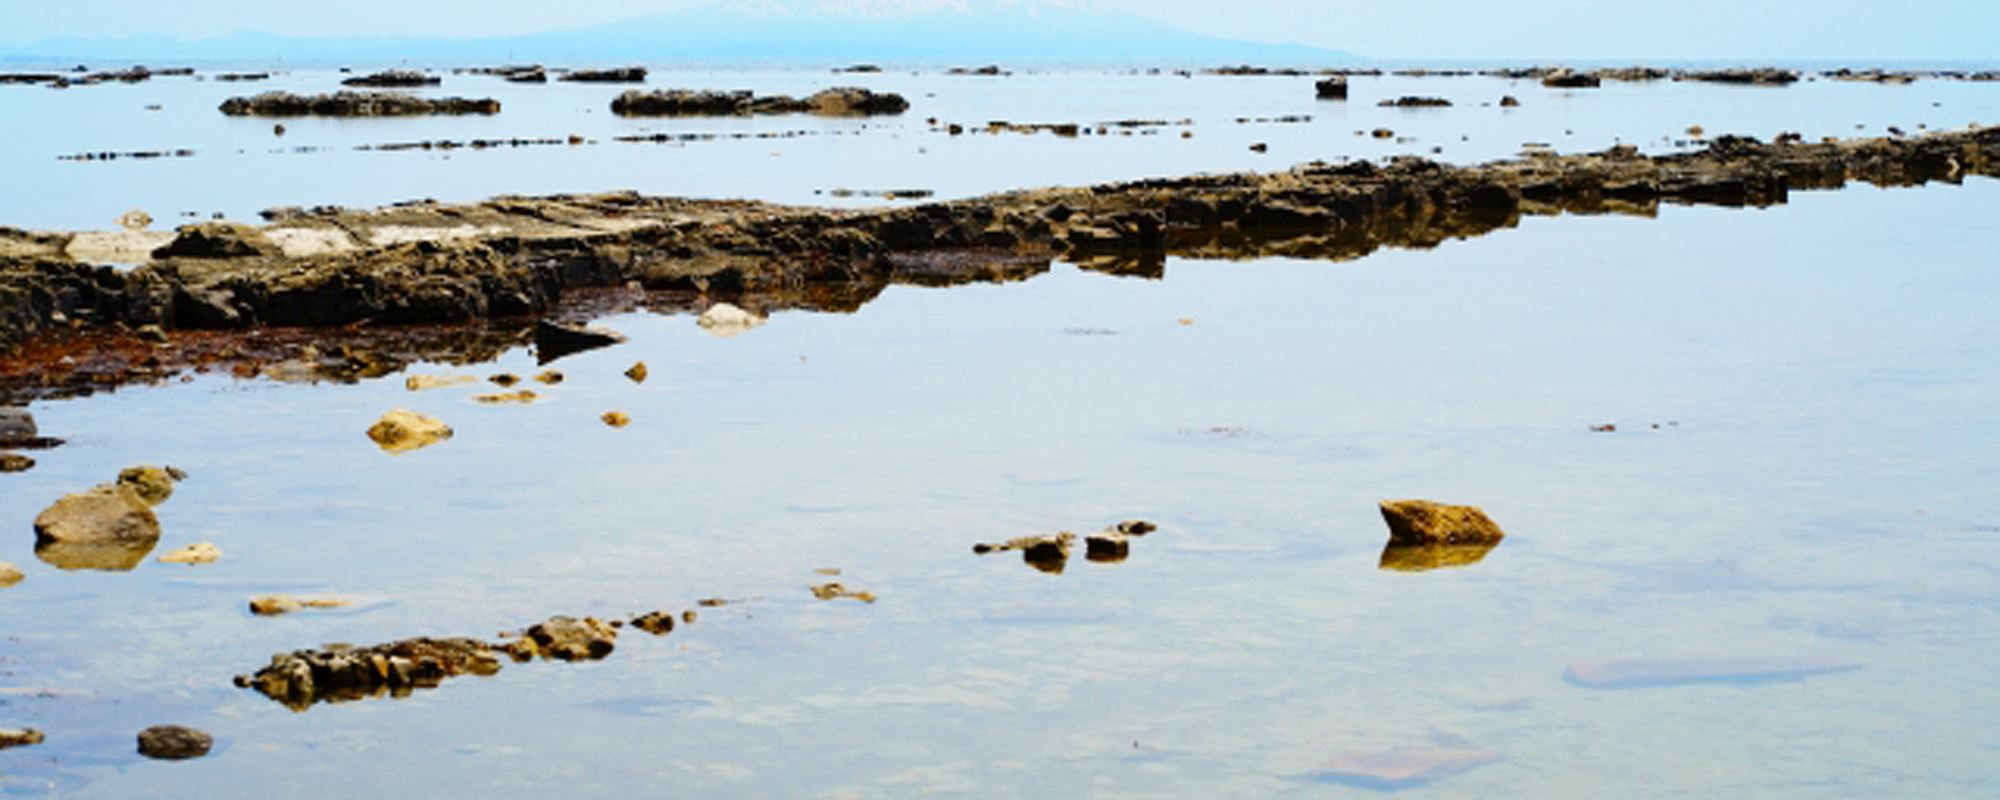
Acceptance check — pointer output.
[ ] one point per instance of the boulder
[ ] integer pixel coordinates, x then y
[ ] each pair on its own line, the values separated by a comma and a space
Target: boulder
616, 419
341, 672
657, 623
356, 104
174, 742
1510, 101
1334, 88
852, 101
135, 220
1422, 522
554, 340
402, 430
107, 514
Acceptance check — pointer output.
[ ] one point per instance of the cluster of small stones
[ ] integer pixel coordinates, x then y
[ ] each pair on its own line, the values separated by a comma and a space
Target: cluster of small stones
340, 673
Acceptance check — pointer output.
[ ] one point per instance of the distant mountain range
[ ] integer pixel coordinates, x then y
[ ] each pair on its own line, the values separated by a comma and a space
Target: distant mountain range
737, 33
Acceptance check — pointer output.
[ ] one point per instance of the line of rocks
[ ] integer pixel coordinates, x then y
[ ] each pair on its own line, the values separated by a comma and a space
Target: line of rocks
355, 104
837, 101
512, 256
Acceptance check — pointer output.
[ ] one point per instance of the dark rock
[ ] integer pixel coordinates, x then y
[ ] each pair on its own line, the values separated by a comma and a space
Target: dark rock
355, 104
1509, 101
554, 340
174, 743
1334, 88
1763, 76
624, 75
1570, 79
217, 240
15, 462
1046, 553
393, 79
840, 101
1416, 102
19, 738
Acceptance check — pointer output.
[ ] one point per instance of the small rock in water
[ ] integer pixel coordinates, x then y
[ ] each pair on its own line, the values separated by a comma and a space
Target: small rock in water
1646, 673
10, 574
418, 383
402, 430
555, 340
1393, 770
174, 742
549, 378
566, 639
504, 380
1509, 101
15, 462
1604, 428
152, 484
637, 373
835, 591
1424, 522
1108, 546
272, 605
616, 419
135, 220
17, 423
200, 553
657, 623
19, 738
1046, 553
110, 513
725, 320
520, 398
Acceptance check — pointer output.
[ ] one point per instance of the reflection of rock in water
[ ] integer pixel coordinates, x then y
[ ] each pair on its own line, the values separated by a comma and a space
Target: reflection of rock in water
1644, 673
1425, 557
1394, 770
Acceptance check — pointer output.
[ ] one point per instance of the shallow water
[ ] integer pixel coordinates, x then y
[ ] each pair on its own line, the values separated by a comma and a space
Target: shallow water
240, 168
1822, 372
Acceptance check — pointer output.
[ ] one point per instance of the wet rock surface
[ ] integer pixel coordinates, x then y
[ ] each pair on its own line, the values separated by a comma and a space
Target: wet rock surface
152, 484
355, 104
565, 639
402, 430
174, 743
24, 737
1422, 522
107, 515
393, 79
838, 101
430, 263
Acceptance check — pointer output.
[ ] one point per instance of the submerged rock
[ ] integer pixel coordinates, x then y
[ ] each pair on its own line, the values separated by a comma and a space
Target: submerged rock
1422, 522
10, 737
1392, 770
272, 605
1645, 673
419, 383
174, 742
725, 320
836, 591
199, 553
516, 398
10, 574
554, 340
402, 430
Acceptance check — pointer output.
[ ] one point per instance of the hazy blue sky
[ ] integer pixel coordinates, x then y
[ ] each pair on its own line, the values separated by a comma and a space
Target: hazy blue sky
1731, 29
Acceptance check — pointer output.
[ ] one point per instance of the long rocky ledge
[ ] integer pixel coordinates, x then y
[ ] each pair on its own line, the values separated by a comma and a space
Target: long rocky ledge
514, 257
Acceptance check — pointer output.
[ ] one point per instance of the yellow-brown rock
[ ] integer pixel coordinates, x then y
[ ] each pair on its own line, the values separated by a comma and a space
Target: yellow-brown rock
401, 431
200, 553
1420, 522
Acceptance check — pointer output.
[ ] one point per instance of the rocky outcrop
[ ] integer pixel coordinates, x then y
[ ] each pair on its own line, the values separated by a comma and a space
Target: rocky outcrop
174, 743
839, 101
1416, 102
1761, 76
1422, 522
622, 75
1570, 79
393, 79
355, 104
512, 257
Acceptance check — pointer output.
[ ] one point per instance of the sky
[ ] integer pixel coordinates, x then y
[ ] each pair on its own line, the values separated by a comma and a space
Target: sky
1930, 30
